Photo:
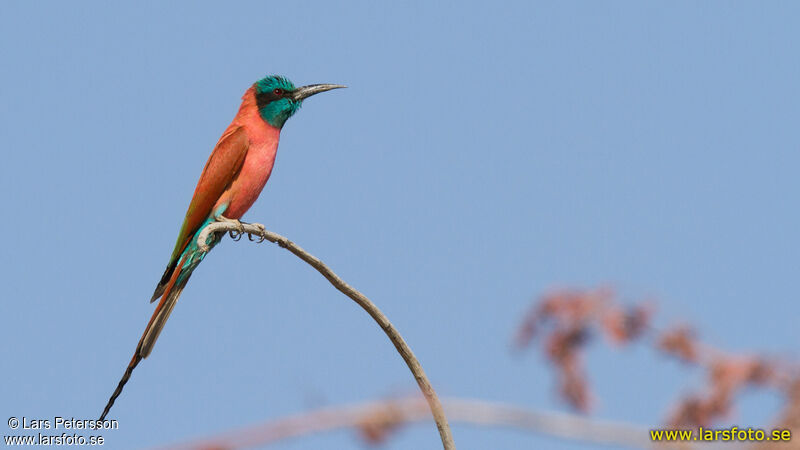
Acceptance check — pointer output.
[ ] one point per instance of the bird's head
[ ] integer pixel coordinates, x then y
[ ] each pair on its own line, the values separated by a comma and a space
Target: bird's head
277, 98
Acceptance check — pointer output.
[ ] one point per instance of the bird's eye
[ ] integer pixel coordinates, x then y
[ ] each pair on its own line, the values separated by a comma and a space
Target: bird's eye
278, 91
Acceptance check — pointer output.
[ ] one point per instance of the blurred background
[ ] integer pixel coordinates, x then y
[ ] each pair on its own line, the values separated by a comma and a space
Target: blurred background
481, 156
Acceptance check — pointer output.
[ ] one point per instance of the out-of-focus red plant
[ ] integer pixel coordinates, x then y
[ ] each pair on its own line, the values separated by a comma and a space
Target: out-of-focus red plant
376, 428
570, 319
567, 321
681, 342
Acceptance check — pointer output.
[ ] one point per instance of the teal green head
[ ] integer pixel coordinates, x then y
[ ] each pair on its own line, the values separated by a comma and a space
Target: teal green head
278, 99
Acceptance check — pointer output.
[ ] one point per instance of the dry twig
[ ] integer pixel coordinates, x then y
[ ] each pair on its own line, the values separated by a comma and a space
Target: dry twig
236, 230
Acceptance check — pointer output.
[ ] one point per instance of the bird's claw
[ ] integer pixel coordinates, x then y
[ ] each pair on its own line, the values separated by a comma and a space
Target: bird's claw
240, 231
261, 235
235, 234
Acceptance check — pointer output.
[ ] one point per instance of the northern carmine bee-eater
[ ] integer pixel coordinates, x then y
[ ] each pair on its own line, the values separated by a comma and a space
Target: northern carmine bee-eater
230, 183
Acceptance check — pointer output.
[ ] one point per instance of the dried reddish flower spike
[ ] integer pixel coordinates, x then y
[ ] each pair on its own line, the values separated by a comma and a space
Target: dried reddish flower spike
680, 342
380, 424
623, 325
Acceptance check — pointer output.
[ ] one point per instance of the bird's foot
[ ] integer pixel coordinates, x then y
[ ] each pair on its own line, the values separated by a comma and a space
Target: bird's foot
236, 222
262, 233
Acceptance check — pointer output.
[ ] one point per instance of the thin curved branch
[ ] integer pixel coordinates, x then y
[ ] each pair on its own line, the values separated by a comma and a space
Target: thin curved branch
377, 419
398, 341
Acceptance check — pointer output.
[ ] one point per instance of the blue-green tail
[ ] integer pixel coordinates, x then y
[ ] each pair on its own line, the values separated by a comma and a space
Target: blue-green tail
171, 291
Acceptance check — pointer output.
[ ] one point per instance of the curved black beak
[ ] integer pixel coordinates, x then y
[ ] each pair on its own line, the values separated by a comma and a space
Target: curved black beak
307, 91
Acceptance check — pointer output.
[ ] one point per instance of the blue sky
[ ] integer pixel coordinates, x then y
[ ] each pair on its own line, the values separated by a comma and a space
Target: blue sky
481, 155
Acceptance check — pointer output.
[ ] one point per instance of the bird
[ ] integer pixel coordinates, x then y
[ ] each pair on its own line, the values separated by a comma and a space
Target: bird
231, 181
